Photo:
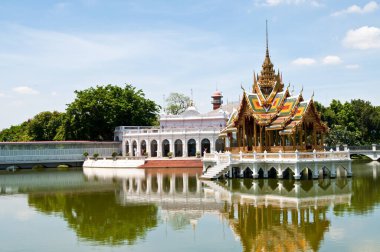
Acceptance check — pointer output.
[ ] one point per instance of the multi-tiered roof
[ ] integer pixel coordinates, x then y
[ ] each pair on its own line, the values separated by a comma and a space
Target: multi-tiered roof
274, 107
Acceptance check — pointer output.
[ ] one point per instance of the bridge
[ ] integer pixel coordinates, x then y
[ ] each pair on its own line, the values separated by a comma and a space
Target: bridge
370, 151
52, 153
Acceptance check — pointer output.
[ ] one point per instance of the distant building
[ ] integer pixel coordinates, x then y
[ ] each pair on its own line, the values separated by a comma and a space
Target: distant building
183, 135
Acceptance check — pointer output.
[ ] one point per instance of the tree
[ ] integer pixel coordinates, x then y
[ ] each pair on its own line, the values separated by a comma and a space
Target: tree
177, 103
16, 133
95, 112
45, 126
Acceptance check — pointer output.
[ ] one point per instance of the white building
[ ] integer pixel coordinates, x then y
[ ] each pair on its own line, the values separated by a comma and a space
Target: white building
184, 135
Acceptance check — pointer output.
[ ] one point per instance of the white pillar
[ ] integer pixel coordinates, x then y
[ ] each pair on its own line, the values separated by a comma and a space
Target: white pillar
159, 148
184, 148
171, 146
148, 147
124, 147
199, 146
138, 152
130, 148
212, 145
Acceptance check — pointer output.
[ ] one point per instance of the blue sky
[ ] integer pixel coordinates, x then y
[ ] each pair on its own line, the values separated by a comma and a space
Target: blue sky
48, 49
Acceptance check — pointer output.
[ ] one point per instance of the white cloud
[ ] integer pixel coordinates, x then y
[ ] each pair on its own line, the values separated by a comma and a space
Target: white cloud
352, 66
2, 94
315, 3
25, 90
355, 9
304, 61
332, 60
54, 93
363, 38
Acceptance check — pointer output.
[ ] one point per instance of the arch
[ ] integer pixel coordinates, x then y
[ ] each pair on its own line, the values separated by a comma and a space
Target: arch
191, 147
324, 172
341, 171
153, 148
219, 145
272, 173
178, 150
127, 148
306, 173
248, 173
205, 146
288, 173
117, 139
134, 148
143, 147
165, 147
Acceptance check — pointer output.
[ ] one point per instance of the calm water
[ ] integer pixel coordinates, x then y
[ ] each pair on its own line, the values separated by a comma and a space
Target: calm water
171, 210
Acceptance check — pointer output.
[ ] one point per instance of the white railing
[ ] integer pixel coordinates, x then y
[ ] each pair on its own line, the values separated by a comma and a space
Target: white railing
228, 157
158, 130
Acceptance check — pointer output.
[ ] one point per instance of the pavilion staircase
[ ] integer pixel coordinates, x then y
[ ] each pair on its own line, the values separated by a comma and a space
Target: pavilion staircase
215, 172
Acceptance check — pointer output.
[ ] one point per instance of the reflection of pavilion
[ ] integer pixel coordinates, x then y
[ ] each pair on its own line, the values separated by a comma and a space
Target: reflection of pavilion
272, 215
265, 215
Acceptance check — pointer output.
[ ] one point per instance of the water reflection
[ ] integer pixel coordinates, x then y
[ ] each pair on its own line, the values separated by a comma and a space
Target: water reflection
97, 217
117, 206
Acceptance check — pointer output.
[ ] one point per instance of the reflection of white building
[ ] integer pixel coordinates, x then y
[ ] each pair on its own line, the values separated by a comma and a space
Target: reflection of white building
183, 135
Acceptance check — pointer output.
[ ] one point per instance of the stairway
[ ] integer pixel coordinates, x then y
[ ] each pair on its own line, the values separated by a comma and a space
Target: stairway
215, 172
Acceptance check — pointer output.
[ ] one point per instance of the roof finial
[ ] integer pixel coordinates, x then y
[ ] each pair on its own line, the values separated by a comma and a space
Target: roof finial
266, 30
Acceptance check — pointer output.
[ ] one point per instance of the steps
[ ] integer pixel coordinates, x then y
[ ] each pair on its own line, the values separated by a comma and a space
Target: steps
215, 172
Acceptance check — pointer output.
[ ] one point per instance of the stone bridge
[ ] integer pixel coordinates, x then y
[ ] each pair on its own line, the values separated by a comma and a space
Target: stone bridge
370, 151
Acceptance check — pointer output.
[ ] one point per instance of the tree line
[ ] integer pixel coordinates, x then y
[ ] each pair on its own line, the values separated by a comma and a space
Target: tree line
356, 122
93, 115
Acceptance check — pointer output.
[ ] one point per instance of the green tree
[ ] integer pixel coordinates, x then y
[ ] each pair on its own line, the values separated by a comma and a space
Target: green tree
45, 126
177, 103
95, 112
16, 133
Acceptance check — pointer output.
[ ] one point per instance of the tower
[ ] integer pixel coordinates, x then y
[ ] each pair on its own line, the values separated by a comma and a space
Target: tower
216, 100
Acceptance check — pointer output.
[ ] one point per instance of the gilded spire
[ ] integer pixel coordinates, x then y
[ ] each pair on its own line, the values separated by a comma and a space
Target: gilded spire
266, 31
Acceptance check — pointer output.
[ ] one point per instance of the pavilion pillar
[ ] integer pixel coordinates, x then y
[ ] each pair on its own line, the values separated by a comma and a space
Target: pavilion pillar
315, 136
244, 135
305, 135
261, 136
254, 134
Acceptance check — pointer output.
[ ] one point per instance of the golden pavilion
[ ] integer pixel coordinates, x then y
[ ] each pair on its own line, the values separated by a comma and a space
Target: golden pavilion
270, 118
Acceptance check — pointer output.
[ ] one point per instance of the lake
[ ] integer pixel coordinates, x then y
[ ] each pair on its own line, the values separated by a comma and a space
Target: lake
171, 210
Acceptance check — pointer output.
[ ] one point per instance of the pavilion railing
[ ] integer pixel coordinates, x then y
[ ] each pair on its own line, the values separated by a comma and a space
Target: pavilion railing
228, 157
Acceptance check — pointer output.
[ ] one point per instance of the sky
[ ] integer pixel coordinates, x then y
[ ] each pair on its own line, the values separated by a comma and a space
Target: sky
49, 49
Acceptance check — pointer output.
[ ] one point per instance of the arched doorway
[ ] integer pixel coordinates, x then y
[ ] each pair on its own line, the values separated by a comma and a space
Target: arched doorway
143, 147
178, 150
134, 148
205, 146
219, 145
306, 174
191, 148
165, 148
153, 148
272, 173
288, 174
248, 173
